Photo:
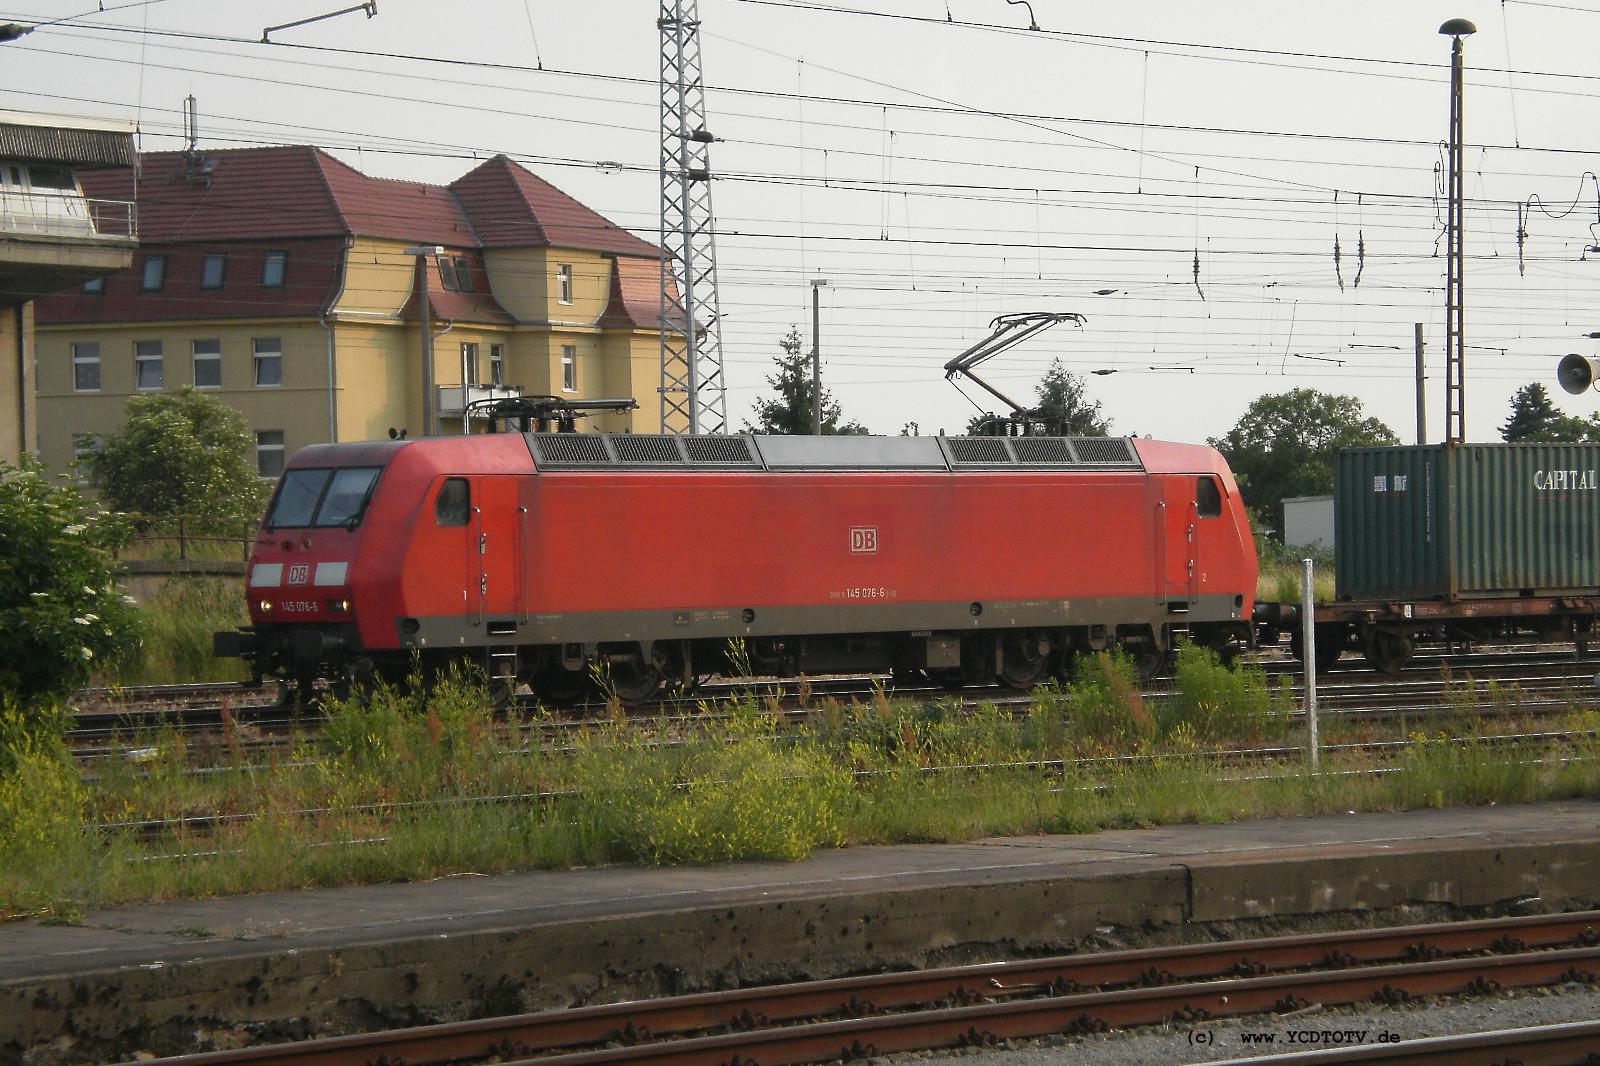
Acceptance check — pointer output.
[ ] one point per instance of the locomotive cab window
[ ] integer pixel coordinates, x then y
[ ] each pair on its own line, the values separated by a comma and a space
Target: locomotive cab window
454, 503
1208, 498
322, 497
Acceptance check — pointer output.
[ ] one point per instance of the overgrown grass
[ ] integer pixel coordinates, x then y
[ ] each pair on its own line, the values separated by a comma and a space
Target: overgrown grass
175, 628
404, 786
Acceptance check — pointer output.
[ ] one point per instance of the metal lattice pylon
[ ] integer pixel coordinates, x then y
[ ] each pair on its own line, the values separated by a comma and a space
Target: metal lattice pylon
693, 394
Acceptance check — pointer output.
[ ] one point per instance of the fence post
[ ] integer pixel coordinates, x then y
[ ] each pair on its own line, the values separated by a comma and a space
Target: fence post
1308, 648
183, 543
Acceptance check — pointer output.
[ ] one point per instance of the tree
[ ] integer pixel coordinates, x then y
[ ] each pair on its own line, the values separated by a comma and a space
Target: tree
1285, 444
61, 613
182, 455
1534, 419
1531, 414
790, 410
1062, 403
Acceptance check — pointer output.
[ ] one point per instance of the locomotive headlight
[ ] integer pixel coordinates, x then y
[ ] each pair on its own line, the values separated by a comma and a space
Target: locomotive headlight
339, 606
264, 606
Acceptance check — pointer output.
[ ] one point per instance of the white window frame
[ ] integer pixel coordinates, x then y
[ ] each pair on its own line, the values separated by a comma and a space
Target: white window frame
564, 283
213, 356
265, 448
85, 354
469, 364
83, 445
569, 368
282, 259
497, 365
146, 352
260, 354
157, 264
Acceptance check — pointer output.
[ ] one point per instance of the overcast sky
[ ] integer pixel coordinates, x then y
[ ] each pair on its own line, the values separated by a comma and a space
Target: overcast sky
941, 163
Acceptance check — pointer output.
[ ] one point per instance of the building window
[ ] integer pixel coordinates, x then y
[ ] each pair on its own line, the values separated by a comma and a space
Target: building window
497, 365
94, 286
447, 273
564, 283
464, 274
273, 269
269, 362
208, 364
569, 368
84, 445
269, 453
211, 270
147, 364
469, 363
86, 367
155, 273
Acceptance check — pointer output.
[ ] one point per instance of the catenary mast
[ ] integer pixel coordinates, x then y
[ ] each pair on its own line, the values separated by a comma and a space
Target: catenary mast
693, 393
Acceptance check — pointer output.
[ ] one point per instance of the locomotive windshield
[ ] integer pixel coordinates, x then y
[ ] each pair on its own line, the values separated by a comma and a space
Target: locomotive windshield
322, 497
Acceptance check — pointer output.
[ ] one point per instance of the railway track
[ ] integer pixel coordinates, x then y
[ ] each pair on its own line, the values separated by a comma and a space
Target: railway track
987, 1004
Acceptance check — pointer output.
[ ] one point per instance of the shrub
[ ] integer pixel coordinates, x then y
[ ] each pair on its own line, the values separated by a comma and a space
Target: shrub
1214, 701
61, 613
1106, 702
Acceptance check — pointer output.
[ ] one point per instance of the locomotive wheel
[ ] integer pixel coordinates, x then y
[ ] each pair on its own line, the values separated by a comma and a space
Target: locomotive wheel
1024, 659
634, 682
1387, 650
560, 687
1150, 662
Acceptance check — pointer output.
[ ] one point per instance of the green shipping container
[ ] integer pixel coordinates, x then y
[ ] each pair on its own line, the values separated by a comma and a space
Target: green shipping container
1473, 521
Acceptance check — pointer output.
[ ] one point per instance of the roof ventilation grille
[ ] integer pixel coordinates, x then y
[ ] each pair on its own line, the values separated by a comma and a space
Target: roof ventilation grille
720, 450
1049, 450
646, 449
1104, 451
571, 449
979, 450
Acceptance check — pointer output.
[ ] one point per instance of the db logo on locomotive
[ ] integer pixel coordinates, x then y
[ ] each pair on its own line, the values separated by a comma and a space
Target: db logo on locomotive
864, 540
298, 575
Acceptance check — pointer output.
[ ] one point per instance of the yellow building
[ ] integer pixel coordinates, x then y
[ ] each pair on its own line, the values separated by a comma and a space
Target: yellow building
51, 238
289, 284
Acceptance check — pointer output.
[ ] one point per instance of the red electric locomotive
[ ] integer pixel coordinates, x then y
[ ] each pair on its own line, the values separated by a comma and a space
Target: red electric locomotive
556, 558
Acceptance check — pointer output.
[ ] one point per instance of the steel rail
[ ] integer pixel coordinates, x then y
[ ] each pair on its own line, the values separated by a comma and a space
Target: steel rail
1160, 983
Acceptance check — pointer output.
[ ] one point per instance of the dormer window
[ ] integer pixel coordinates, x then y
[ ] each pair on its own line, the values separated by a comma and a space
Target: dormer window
464, 274
154, 276
94, 286
447, 273
211, 271
273, 269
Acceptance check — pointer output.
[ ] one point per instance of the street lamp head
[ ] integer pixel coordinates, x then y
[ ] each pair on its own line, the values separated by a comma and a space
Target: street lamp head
425, 249
1458, 28
818, 281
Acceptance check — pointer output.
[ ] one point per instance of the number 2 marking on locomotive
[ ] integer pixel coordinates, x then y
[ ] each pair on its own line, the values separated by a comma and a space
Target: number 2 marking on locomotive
864, 540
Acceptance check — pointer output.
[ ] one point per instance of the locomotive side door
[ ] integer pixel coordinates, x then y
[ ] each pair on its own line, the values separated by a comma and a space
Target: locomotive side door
495, 553
1177, 526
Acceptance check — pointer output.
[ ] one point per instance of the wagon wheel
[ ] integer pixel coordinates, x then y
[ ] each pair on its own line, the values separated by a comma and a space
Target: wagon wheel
1387, 650
1328, 642
1024, 659
635, 682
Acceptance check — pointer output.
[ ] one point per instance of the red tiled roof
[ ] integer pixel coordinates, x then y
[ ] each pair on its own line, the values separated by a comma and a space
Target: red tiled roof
512, 207
635, 294
456, 306
297, 191
310, 280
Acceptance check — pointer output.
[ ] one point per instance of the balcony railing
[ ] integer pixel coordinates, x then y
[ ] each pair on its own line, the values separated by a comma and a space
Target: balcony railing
56, 214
